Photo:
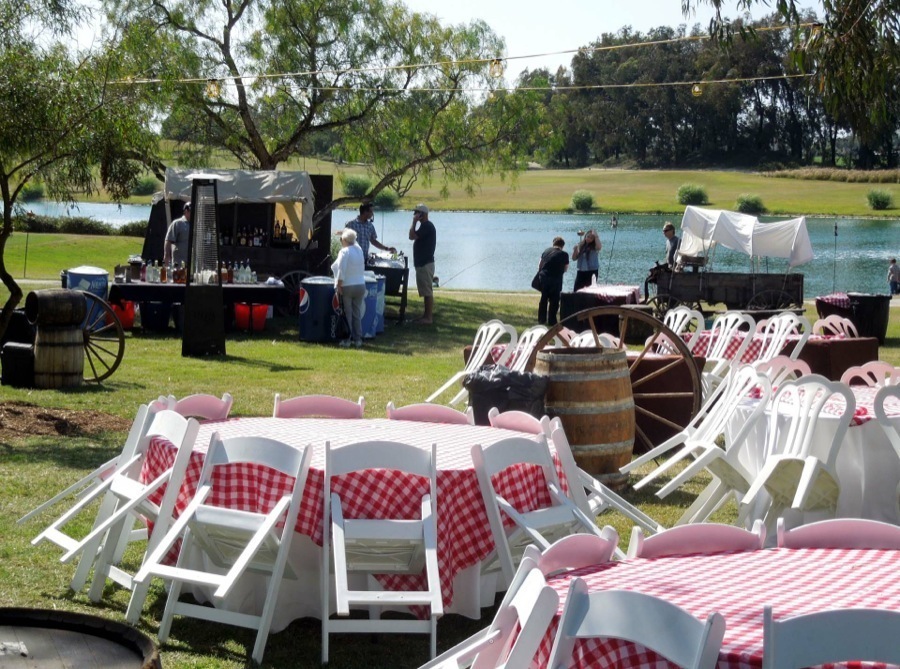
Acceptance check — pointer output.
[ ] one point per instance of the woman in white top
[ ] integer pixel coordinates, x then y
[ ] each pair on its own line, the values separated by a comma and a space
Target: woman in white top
350, 284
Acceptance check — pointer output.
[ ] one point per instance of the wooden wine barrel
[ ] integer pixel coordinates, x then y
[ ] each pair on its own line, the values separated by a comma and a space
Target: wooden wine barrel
58, 357
590, 392
55, 307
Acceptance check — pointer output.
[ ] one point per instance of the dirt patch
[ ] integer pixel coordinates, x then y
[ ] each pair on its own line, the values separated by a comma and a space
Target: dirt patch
19, 420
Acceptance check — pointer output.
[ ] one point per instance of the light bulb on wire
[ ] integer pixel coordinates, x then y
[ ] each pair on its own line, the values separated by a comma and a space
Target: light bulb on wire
697, 90
213, 88
496, 68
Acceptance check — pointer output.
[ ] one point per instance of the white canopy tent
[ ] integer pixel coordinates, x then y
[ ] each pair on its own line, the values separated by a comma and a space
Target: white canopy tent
703, 229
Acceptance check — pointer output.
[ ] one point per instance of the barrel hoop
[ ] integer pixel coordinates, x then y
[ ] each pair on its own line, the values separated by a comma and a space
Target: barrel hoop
609, 448
592, 376
582, 408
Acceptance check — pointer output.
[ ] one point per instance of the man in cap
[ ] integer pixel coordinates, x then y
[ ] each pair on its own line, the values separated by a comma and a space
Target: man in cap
671, 243
424, 239
176, 246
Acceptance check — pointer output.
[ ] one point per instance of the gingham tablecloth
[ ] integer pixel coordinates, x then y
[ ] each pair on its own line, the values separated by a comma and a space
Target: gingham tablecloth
614, 294
752, 352
737, 585
841, 300
464, 535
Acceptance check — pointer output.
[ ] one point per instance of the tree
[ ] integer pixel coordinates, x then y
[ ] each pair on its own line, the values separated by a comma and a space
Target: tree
61, 120
397, 90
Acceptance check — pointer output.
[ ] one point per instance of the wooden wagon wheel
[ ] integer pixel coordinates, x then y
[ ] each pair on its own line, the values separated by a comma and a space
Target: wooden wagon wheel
291, 282
660, 303
770, 300
632, 322
104, 339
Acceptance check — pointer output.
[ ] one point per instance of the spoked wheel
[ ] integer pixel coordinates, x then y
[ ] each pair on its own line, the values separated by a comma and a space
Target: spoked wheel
104, 340
660, 304
291, 282
657, 408
772, 300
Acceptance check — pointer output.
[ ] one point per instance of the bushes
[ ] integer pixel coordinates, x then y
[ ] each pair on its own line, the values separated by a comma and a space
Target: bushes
32, 191
355, 185
692, 194
750, 204
76, 225
145, 186
386, 199
582, 200
880, 199
838, 174
133, 229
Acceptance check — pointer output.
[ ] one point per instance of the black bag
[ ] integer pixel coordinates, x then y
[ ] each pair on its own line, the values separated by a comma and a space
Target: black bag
342, 327
536, 281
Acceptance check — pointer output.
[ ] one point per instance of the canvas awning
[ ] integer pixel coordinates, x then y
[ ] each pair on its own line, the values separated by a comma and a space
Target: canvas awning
703, 229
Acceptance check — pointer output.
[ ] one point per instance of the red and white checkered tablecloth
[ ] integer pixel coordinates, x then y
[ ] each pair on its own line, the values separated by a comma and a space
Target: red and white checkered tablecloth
614, 294
841, 300
752, 352
737, 585
464, 535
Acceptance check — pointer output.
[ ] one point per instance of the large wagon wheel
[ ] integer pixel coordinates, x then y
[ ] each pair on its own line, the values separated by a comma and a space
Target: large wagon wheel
772, 300
634, 322
104, 339
291, 282
660, 303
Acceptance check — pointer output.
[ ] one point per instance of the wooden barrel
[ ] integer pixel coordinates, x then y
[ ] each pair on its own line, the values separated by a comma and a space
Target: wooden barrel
58, 357
590, 392
55, 307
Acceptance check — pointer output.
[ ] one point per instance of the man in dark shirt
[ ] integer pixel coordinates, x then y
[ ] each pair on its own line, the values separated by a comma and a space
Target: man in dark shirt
553, 266
424, 238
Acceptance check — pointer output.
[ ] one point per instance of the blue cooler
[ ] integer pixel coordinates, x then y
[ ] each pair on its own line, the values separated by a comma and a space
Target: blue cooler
379, 304
91, 280
318, 309
370, 304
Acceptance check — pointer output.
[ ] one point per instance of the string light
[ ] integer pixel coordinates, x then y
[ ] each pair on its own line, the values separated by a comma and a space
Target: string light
496, 68
213, 88
697, 90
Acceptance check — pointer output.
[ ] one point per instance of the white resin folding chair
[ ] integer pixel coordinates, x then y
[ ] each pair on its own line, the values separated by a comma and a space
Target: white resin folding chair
725, 329
85, 491
591, 495
515, 633
203, 406
236, 542
778, 330
431, 413
824, 637
874, 373
318, 406
368, 546
132, 502
698, 538
840, 533
574, 552
635, 617
519, 421
681, 320
525, 347
781, 368
542, 525
885, 395
487, 336
835, 325
591, 339
796, 475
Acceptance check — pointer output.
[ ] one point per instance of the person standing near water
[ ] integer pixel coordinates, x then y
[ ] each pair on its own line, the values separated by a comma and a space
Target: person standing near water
176, 245
424, 239
894, 277
552, 269
587, 256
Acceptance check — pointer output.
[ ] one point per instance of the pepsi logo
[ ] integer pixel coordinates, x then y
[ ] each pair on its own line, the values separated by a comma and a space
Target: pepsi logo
336, 303
303, 297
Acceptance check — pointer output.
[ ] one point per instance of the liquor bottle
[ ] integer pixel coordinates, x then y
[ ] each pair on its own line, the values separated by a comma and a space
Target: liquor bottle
223, 274
163, 274
230, 273
144, 271
284, 233
154, 274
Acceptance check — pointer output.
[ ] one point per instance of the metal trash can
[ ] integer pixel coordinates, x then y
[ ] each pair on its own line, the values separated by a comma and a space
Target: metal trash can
319, 309
871, 314
370, 307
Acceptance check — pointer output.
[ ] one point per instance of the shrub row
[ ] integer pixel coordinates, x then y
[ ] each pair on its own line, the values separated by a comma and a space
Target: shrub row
76, 225
357, 185
837, 174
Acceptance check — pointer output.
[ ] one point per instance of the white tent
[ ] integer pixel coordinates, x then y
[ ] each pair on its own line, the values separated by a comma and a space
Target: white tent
703, 229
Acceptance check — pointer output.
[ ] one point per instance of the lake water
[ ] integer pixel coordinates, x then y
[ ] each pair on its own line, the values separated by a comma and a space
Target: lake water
500, 251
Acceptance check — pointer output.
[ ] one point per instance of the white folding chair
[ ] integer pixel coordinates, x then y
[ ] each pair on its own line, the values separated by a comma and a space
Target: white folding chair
131, 501
681, 320
591, 495
781, 368
525, 347
203, 406
515, 633
519, 421
542, 525
724, 330
574, 552
591, 339
368, 546
635, 617
486, 337
778, 330
835, 325
840, 533
839, 635
318, 406
795, 475
236, 542
886, 395
874, 373
431, 413
85, 491
698, 538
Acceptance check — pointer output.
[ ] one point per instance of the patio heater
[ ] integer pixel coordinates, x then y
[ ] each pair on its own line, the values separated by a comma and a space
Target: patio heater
203, 324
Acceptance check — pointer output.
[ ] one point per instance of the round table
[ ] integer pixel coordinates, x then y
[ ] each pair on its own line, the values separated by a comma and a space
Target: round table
737, 585
464, 535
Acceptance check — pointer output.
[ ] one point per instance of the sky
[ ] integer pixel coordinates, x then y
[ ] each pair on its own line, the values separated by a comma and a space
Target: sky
540, 27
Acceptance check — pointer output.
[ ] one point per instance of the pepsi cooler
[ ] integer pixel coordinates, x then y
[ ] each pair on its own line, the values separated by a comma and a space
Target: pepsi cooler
319, 309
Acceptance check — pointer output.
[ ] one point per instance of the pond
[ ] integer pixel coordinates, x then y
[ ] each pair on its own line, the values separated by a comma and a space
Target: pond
500, 251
